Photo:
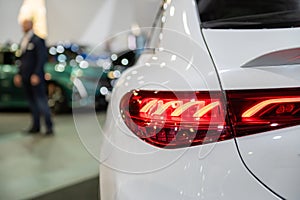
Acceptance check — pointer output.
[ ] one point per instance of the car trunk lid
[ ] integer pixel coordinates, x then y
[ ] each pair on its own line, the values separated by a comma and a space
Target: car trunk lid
251, 65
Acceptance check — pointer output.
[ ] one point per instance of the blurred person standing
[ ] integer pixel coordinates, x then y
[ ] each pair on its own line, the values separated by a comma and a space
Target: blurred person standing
31, 77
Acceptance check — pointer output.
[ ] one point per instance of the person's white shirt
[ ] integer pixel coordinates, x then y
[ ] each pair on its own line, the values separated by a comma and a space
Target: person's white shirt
25, 40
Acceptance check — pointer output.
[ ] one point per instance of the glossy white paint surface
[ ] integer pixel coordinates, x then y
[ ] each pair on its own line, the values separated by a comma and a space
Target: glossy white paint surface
274, 156
132, 169
231, 49
210, 172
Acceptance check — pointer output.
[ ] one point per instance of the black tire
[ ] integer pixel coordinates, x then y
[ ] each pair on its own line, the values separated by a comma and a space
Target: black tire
56, 98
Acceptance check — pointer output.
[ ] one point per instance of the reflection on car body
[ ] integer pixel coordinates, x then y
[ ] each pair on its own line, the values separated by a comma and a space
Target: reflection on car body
119, 63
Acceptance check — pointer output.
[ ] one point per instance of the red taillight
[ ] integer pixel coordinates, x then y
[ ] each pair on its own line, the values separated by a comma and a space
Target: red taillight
179, 119
175, 119
255, 111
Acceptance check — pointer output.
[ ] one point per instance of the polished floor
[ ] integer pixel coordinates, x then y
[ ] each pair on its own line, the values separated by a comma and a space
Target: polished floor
34, 165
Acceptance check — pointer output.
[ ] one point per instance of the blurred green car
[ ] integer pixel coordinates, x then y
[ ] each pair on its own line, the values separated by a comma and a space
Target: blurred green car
72, 80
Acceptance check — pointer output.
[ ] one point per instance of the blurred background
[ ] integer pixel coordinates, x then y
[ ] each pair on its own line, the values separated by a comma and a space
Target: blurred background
90, 43
87, 22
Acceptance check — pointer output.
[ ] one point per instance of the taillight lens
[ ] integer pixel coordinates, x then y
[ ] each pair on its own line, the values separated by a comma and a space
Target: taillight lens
255, 111
175, 119
180, 119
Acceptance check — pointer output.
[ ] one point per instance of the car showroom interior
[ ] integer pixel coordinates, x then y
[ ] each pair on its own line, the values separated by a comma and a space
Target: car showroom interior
81, 33
149, 99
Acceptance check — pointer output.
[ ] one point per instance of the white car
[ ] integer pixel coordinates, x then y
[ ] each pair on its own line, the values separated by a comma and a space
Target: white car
211, 110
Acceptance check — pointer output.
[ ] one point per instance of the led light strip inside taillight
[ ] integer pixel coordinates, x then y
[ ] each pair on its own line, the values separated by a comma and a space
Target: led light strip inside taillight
256, 111
175, 119
180, 119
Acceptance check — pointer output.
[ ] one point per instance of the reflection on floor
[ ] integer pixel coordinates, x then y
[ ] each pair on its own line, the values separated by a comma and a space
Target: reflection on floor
33, 165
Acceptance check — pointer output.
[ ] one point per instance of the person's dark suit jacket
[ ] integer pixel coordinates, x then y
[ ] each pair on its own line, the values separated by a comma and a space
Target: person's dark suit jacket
33, 59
